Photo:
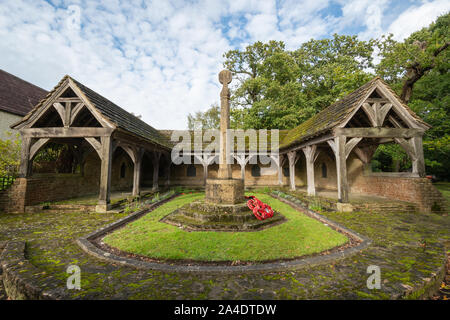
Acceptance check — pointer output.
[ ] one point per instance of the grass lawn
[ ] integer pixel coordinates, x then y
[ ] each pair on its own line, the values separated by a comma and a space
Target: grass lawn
299, 236
444, 188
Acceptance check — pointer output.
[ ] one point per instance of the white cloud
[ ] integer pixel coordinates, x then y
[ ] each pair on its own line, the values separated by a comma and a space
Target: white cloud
160, 59
417, 17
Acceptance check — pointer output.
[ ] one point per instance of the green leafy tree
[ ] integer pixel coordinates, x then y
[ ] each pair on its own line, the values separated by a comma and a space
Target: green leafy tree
209, 119
9, 153
418, 69
278, 88
408, 61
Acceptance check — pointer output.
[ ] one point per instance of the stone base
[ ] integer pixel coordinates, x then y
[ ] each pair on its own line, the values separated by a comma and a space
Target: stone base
344, 207
204, 216
224, 191
101, 208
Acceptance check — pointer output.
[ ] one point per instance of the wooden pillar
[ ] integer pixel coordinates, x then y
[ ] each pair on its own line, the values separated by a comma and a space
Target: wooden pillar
292, 157
341, 168
156, 156
24, 168
137, 172
105, 174
280, 169
418, 163
205, 173
311, 156
168, 173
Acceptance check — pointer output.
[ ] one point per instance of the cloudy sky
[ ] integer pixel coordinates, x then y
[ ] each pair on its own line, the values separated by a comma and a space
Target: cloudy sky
160, 59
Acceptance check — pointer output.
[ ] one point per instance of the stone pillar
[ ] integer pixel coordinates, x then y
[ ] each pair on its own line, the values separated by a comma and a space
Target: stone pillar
24, 168
156, 156
292, 157
418, 163
224, 168
105, 175
137, 172
341, 168
311, 154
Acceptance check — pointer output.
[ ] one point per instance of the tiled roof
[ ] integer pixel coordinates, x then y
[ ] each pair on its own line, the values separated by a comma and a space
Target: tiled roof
112, 112
335, 115
122, 118
18, 96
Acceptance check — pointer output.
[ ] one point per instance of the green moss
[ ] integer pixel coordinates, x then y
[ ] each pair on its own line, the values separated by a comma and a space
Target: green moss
299, 236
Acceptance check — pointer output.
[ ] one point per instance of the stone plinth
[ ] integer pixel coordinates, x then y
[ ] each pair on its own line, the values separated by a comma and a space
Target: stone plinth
204, 216
224, 191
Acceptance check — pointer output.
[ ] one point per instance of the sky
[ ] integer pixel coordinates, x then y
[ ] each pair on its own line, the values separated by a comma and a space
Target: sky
160, 59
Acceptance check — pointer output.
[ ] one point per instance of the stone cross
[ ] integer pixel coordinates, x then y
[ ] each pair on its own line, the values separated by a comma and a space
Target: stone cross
224, 168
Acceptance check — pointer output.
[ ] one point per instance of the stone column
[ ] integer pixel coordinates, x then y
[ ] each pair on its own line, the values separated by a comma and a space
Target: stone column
311, 156
24, 168
105, 174
292, 155
156, 156
224, 168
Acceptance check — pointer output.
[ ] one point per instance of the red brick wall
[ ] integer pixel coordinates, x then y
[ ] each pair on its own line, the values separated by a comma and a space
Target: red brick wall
416, 190
53, 187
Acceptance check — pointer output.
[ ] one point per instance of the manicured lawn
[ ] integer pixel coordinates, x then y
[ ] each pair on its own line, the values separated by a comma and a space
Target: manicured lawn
299, 236
444, 188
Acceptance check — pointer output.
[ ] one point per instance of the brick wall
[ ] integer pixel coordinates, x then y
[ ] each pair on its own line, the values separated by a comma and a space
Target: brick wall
53, 186
416, 190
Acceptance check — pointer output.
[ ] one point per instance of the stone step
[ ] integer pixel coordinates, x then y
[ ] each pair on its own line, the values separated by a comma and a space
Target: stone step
240, 217
190, 223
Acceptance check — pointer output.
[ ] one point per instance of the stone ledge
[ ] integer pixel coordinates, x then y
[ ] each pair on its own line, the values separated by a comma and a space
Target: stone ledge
18, 273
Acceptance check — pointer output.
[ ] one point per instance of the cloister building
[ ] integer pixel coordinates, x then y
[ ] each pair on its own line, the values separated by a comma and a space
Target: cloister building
111, 149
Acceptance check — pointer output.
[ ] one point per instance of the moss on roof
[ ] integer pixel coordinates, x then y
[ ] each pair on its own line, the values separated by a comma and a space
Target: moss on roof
336, 114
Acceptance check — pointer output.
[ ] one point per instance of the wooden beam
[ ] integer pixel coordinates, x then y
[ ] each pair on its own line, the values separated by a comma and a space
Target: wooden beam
24, 168
310, 142
350, 145
37, 146
61, 111
382, 112
64, 100
58, 132
370, 112
155, 159
311, 154
74, 112
378, 132
137, 163
341, 169
105, 174
292, 157
96, 145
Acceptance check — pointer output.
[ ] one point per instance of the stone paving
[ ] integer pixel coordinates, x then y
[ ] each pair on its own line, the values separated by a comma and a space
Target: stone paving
408, 247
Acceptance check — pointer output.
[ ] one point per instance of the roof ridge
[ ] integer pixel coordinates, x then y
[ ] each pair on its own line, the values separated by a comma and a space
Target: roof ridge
28, 82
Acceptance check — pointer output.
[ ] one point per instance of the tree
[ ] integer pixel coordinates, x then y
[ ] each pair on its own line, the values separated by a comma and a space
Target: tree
418, 69
9, 153
412, 59
209, 119
278, 88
